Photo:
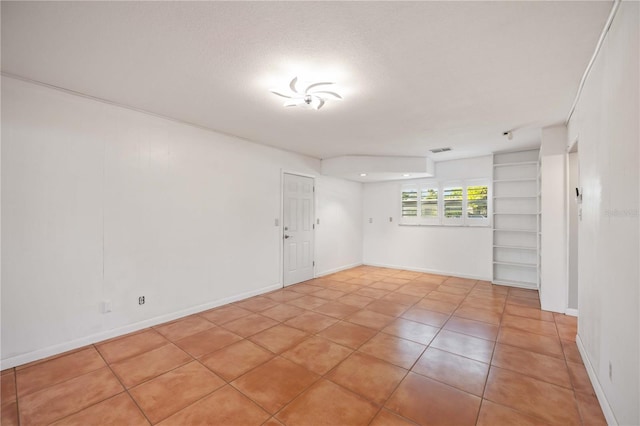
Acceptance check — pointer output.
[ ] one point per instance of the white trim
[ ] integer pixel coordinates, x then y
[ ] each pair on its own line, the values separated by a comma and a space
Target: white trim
104, 335
334, 270
428, 271
571, 312
602, 399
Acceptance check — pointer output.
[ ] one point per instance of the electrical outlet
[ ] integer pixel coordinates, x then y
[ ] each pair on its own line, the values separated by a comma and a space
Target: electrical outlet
370, 220
141, 300
610, 372
106, 306
390, 219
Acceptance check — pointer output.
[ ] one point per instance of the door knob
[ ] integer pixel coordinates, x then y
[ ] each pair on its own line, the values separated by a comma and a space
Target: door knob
287, 236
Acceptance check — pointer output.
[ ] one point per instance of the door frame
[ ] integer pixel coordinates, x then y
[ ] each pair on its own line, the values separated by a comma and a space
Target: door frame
572, 148
281, 219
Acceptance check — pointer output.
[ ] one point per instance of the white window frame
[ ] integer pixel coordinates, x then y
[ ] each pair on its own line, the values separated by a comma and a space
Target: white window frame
440, 220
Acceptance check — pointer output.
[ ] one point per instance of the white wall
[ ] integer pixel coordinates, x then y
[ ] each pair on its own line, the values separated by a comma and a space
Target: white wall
105, 203
572, 218
553, 219
339, 231
459, 251
606, 125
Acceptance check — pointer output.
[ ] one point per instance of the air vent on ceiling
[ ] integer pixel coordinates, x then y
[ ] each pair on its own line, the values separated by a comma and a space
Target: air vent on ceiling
438, 150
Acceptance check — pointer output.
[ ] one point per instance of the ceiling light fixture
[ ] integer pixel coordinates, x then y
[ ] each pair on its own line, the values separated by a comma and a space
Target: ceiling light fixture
363, 174
406, 174
309, 98
508, 134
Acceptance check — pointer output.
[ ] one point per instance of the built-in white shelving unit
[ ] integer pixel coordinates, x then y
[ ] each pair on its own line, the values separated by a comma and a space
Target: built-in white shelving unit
516, 222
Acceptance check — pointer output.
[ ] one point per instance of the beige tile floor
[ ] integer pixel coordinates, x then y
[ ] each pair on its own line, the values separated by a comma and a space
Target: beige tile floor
367, 346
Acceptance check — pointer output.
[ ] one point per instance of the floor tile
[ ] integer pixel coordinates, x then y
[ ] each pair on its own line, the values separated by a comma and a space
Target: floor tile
43, 375
454, 370
533, 313
567, 320
311, 322
367, 376
185, 327
461, 344
60, 400
361, 281
225, 406
8, 387
131, 345
348, 334
523, 301
356, 300
387, 418
336, 309
135, 370
329, 294
166, 394
328, 404
279, 338
257, 303
275, 383
307, 302
383, 285
567, 332
437, 306
446, 297
551, 403
542, 367
517, 292
425, 316
225, 314
580, 379
400, 352
387, 307
374, 293
413, 290
571, 352
478, 314
282, 312
590, 410
371, 319
118, 410
403, 299
236, 359
282, 296
411, 330
273, 422
317, 354
548, 345
492, 414
9, 414
305, 288
396, 280
472, 328
249, 325
207, 341
528, 324
428, 402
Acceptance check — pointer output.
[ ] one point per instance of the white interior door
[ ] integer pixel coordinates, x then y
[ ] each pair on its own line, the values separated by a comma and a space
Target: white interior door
298, 228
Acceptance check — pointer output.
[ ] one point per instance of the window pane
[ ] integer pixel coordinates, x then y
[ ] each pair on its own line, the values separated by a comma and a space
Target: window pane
409, 203
453, 202
477, 202
429, 203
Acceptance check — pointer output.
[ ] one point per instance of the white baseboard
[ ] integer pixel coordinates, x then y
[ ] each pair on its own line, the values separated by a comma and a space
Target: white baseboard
430, 271
572, 312
130, 328
602, 399
334, 270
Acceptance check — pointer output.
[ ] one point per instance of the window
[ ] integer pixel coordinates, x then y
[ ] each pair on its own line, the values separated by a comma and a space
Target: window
429, 202
453, 202
461, 203
409, 203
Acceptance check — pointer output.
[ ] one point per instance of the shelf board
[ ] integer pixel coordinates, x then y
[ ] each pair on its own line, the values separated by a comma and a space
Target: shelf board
515, 230
525, 265
513, 283
516, 247
516, 163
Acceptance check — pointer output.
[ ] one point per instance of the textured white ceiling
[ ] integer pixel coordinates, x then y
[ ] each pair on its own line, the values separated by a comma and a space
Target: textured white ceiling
415, 75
